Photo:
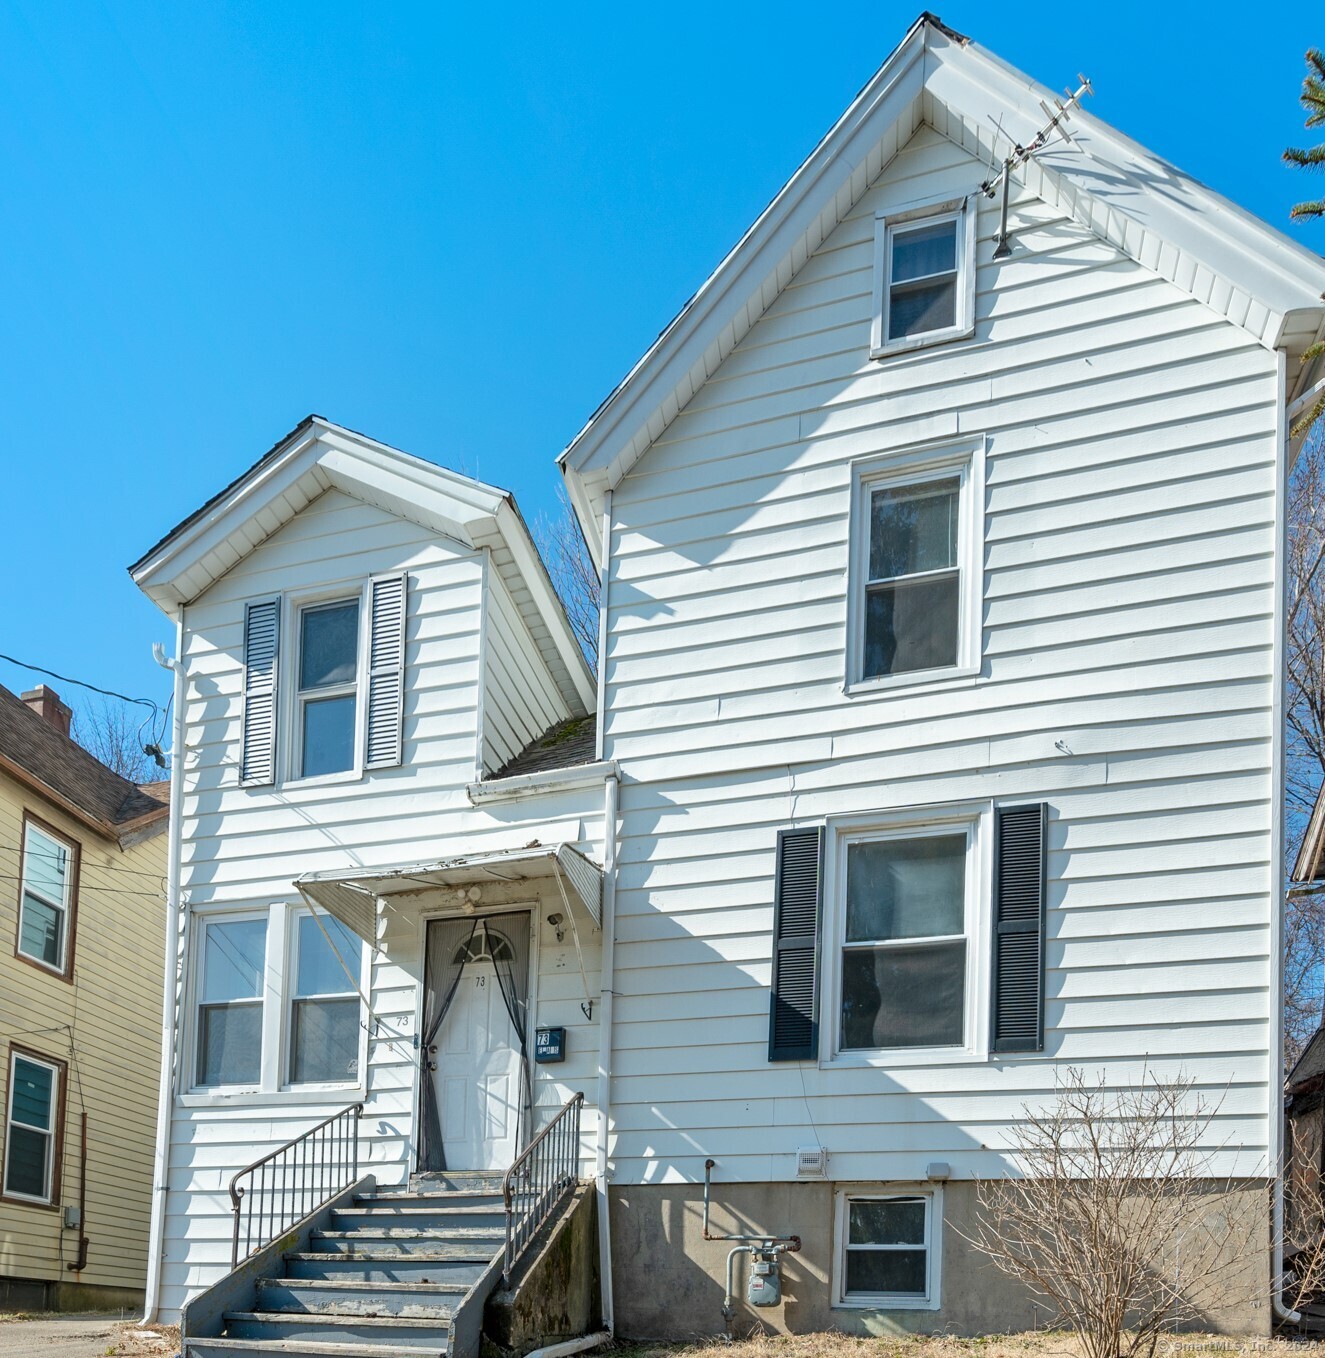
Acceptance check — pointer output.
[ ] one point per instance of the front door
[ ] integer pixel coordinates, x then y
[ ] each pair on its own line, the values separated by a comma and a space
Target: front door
477, 1066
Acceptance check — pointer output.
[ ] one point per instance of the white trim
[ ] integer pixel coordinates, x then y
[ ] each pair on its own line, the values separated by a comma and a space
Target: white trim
295, 698
569, 779
481, 660
960, 211
883, 1301
52, 1133
72, 865
977, 819
906, 466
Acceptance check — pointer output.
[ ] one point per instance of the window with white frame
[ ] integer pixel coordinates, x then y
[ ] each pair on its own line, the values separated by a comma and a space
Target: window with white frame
326, 961
924, 290
31, 1128
888, 1251
916, 566
327, 699
230, 984
902, 941
46, 897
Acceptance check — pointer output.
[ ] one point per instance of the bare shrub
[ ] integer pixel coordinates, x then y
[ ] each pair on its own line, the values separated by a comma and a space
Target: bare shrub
114, 732
1115, 1217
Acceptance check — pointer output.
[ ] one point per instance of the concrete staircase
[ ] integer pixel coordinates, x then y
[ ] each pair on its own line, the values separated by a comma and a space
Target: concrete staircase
384, 1278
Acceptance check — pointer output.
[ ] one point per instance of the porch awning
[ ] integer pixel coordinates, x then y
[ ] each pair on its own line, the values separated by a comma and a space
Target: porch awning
351, 894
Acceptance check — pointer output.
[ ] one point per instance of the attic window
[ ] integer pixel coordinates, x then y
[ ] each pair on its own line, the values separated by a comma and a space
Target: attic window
924, 284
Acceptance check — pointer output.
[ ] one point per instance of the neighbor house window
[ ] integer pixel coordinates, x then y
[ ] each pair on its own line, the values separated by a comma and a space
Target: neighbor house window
327, 699
31, 1126
916, 565
903, 940
888, 1254
324, 1008
46, 897
231, 981
924, 277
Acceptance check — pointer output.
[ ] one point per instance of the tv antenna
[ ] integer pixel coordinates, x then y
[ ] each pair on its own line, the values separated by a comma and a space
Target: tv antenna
1057, 117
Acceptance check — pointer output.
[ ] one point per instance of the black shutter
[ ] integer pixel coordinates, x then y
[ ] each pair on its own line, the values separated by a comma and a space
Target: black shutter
1019, 890
793, 1020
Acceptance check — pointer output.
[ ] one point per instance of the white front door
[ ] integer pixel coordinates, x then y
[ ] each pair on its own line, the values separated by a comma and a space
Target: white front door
478, 1070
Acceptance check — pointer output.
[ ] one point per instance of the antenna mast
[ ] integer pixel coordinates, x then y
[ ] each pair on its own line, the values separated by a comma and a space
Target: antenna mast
1057, 116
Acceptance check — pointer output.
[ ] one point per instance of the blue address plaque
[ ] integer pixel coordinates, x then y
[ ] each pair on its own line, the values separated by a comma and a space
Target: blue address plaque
549, 1045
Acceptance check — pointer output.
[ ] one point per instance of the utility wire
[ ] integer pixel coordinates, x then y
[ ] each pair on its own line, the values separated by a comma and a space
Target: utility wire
65, 679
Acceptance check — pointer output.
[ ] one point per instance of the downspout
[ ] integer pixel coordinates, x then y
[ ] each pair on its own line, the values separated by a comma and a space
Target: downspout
169, 1026
1276, 1082
611, 799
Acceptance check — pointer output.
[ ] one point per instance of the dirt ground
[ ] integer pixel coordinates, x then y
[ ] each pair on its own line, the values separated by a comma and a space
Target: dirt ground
87, 1336
1036, 1345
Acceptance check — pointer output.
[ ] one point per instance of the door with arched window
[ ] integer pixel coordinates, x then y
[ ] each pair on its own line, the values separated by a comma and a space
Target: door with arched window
476, 1026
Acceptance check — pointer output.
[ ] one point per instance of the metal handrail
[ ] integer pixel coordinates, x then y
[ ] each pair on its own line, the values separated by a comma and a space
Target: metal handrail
294, 1180
539, 1178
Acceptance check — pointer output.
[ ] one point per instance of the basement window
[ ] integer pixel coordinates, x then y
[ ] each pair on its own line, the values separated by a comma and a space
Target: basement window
888, 1250
924, 284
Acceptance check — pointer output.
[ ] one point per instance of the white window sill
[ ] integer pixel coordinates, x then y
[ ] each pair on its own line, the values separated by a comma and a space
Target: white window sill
914, 681
901, 1058
879, 1303
925, 341
299, 1096
325, 779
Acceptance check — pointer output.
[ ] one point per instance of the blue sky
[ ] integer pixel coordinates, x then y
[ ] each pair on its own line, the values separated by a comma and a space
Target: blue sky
453, 228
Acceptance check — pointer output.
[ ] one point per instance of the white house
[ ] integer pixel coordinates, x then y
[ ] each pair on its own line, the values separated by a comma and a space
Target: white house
938, 730
365, 640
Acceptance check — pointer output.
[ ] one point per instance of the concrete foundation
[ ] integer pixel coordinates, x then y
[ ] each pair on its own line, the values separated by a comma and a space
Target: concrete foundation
554, 1294
669, 1282
36, 1294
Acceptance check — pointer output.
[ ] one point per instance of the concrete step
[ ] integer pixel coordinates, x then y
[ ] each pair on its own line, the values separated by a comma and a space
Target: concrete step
466, 1180
294, 1348
408, 1239
442, 1197
427, 1218
396, 1334
391, 1266
358, 1297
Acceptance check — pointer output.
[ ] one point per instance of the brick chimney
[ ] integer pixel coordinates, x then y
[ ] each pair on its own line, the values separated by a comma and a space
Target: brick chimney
45, 702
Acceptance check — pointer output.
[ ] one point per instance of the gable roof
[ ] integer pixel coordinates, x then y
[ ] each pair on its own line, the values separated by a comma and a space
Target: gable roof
62, 771
564, 745
317, 456
1253, 275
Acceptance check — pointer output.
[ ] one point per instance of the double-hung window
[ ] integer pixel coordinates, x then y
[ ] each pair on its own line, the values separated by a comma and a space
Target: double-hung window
31, 1126
916, 565
903, 937
924, 291
888, 1250
46, 898
328, 691
327, 960
231, 980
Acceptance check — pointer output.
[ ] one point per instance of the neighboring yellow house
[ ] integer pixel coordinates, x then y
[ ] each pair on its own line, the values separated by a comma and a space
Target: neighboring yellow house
82, 921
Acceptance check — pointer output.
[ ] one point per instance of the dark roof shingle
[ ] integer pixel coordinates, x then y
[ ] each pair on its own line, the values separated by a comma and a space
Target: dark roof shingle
568, 743
70, 771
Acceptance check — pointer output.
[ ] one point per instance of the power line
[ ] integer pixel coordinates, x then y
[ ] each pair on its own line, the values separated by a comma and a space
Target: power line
65, 679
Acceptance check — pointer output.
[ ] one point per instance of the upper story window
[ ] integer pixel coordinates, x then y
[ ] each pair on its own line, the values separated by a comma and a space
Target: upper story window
32, 1120
917, 578
924, 287
47, 897
324, 684
328, 687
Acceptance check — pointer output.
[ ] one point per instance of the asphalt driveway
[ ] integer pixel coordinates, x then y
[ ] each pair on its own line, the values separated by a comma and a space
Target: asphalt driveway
92, 1336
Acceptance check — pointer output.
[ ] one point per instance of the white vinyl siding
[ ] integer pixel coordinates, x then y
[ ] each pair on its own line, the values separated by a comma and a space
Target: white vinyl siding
1125, 678
244, 847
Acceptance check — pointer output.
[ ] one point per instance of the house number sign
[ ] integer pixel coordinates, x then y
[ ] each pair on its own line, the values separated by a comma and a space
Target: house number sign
549, 1045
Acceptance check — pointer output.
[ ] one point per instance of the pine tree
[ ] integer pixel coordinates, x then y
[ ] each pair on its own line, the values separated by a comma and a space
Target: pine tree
1313, 158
